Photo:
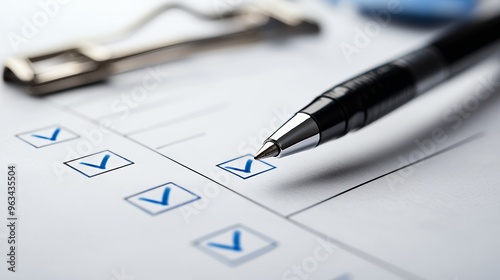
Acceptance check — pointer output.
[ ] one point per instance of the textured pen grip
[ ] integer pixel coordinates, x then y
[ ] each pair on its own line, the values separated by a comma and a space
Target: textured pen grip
373, 94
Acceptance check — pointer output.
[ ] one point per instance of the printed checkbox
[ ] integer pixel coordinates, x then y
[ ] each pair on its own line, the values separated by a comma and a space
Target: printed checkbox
162, 198
246, 166
47, 136
98, 163
235, 245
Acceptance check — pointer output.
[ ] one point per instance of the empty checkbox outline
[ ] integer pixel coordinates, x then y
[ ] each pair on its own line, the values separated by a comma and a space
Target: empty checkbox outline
130, 163
47, 127
168, 209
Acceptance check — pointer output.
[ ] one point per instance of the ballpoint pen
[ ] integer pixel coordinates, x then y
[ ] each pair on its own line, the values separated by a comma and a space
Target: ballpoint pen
373, 94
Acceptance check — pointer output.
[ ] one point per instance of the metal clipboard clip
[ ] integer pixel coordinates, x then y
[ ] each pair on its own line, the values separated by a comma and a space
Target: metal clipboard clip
87, 62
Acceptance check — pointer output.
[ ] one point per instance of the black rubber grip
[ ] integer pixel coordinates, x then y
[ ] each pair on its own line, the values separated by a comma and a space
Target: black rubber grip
361, 100
380, 90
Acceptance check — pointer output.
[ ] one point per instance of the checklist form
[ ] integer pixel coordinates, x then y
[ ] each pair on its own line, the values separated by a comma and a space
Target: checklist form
151, 174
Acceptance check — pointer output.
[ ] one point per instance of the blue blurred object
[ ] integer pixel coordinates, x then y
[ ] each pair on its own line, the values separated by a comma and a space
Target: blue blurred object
419, 10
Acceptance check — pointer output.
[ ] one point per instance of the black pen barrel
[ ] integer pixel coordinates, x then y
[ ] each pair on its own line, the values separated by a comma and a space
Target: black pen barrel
359, 101
464, 47
373, 94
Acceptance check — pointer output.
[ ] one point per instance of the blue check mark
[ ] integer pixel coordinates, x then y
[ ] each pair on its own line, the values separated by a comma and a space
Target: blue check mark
51, 138
164, 199
236, 243
247, 169
104, 161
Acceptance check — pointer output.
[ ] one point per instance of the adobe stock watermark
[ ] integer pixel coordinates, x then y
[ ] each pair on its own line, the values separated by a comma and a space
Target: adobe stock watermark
363, 36
453, 118
210, 191
310, 264
31, 26
4, 243
120, 107
139, 94
249, 146
252, 143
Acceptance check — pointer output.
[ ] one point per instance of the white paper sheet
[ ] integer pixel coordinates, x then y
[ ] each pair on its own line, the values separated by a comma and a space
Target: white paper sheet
170, 190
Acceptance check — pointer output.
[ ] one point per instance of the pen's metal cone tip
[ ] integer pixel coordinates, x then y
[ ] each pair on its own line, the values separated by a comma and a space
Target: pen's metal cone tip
268, 150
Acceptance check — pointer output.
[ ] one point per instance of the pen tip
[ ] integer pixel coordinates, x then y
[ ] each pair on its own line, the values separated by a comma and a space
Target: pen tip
269, 149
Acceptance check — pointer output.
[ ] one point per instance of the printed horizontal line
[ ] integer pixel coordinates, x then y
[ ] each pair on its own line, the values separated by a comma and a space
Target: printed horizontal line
182, 140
